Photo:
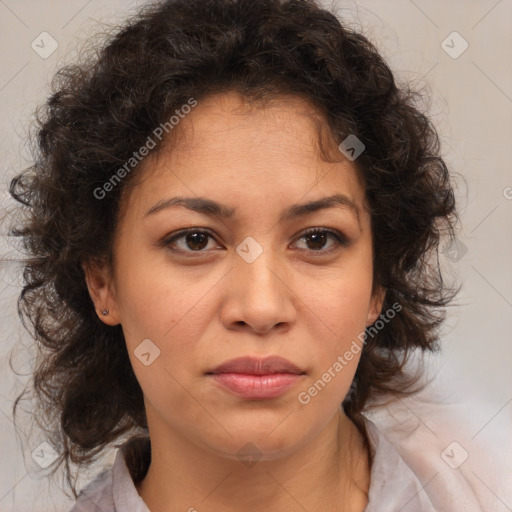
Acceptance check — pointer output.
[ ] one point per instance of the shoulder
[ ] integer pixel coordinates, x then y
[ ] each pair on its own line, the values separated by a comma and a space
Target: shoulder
113, 490
98, 495
393, 484
434, 438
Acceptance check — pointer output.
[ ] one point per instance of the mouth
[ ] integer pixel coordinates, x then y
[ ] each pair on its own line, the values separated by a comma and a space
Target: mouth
257, 379
256, 366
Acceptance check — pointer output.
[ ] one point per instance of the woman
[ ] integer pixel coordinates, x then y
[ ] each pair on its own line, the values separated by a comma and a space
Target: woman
233, 215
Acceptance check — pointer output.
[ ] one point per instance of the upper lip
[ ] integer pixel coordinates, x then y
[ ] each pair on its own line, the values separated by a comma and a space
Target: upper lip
258, 366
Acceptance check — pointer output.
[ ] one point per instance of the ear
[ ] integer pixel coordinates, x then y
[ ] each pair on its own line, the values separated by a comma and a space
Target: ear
376, 303
101, 289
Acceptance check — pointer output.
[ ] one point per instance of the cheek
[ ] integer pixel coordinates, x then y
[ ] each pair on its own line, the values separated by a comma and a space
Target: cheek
154, 299
171, 311
342, 307
342, 303
335, 364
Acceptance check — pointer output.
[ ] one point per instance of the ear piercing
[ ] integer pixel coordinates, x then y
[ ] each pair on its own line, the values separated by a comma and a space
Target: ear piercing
105, 312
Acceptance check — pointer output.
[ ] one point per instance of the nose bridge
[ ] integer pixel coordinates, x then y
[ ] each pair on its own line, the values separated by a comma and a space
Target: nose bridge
260, 267
258, 292
257, 268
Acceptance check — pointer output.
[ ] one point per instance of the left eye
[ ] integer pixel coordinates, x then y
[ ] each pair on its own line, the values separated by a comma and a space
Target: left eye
319, 236
195, 240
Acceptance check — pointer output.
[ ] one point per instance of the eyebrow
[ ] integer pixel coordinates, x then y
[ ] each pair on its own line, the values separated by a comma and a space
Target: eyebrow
209, 207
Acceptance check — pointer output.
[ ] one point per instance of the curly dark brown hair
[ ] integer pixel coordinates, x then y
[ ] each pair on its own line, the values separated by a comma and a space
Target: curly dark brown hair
104, 108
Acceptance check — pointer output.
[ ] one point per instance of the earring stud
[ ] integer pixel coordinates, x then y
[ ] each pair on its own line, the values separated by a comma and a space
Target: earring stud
105, 312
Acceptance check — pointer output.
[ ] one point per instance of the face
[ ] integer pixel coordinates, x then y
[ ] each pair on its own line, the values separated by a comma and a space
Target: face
256, 277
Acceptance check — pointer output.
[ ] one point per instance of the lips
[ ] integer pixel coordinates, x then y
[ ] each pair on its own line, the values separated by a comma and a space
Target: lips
257, 379
254, 366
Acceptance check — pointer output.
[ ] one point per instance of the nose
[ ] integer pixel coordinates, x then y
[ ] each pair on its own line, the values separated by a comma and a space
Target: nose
259, 295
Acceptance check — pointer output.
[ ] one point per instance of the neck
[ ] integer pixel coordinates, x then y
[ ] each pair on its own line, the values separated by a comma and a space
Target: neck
331, 473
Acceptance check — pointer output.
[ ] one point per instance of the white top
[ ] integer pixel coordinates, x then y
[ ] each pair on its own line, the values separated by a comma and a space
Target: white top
393, 485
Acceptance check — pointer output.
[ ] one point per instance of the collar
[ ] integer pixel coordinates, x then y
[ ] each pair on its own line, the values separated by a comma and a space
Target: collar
392, 483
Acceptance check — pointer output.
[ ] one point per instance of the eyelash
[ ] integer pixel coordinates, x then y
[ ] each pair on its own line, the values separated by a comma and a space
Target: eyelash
341, 240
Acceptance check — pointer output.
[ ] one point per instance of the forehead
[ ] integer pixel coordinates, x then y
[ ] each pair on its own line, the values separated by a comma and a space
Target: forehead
227, 141
220, 118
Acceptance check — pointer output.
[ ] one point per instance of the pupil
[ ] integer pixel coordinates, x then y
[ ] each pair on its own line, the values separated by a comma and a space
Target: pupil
194, 239
318, 237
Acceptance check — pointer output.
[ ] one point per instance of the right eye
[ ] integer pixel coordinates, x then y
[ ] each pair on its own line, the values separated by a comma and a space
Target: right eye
190, 240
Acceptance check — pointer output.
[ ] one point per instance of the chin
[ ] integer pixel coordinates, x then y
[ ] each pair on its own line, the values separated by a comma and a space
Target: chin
258, 441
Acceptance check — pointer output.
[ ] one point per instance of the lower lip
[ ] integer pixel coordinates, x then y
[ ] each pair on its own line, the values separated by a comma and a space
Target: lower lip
257, 387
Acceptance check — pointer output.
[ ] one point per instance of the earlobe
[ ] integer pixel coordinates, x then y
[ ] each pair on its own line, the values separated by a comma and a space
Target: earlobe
376, 304
101, 290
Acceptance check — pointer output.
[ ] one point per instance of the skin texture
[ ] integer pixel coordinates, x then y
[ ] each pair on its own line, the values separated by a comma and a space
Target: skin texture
204, 308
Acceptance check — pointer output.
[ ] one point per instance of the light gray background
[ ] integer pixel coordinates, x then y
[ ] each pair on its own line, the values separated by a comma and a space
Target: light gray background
471, 400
